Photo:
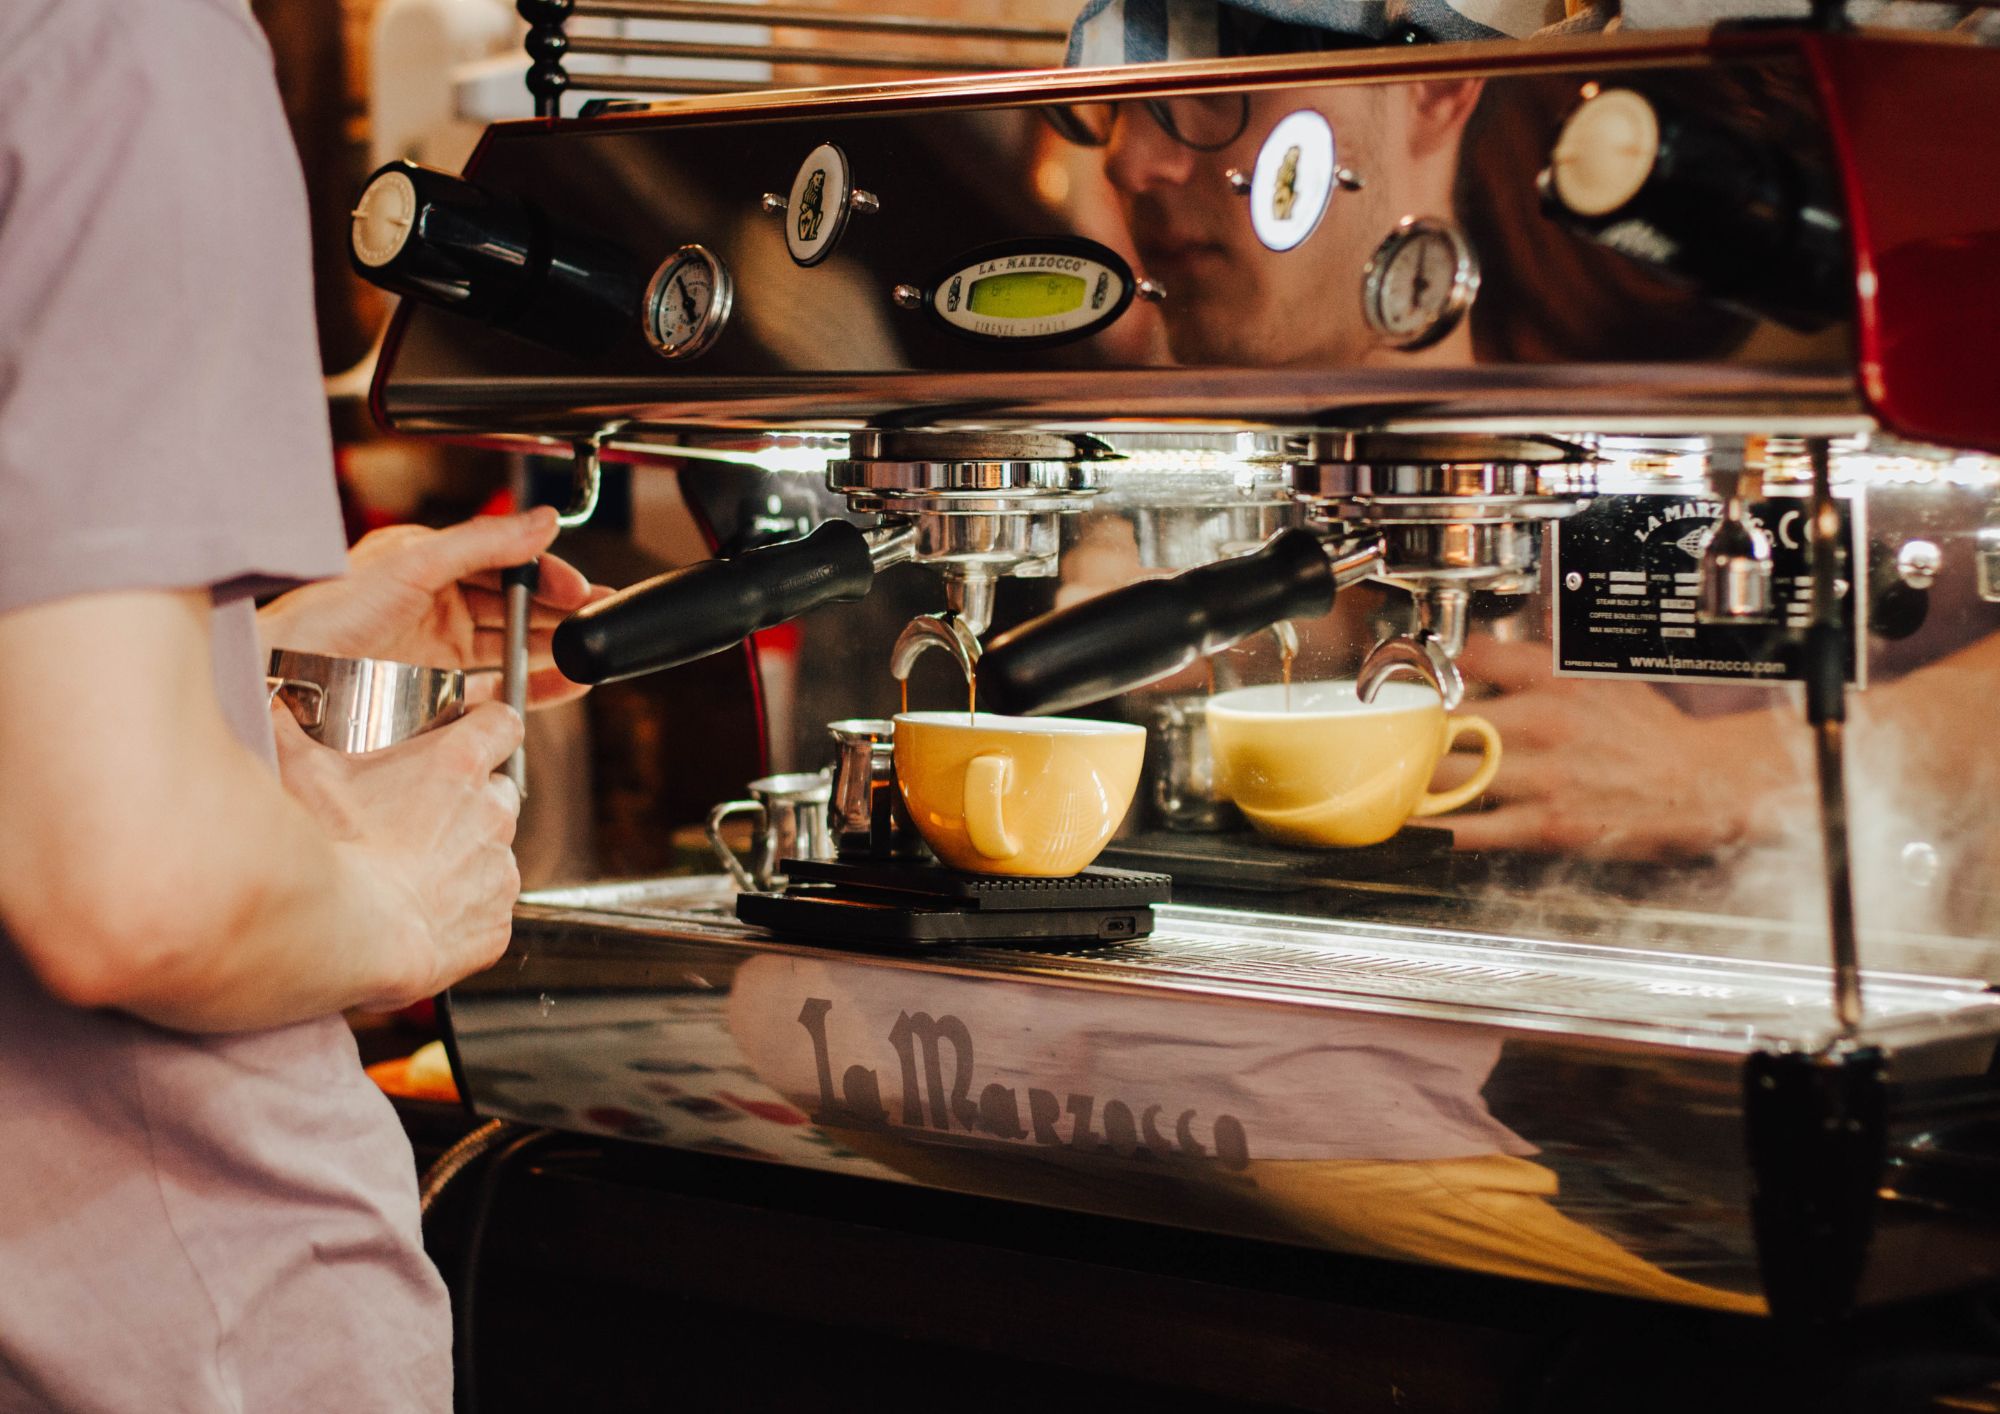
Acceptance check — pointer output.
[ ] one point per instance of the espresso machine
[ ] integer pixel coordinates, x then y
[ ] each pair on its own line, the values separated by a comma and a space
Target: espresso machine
1657, 367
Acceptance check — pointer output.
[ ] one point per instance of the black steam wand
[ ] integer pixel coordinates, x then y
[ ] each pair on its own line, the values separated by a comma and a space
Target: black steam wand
518, 583
1826, 710
546, 44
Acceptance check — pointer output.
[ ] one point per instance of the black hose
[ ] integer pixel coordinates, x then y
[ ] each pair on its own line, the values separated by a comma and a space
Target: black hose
465, 1398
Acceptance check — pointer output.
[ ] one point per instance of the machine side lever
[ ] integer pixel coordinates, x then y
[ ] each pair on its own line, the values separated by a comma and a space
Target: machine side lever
701, 609
1146, 631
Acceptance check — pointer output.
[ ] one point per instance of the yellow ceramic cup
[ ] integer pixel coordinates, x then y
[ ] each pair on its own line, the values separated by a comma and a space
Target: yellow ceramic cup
1035, 796
1335, 770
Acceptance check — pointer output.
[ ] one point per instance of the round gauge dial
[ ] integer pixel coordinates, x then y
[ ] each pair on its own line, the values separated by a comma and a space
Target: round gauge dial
1419, 283
687, 302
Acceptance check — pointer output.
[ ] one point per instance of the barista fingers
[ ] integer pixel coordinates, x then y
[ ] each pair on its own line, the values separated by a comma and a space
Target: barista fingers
1623, 770
417, 595
208, 1205
1232, 301
1619, 770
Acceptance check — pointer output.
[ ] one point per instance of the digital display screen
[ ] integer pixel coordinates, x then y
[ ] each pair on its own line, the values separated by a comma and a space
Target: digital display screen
1025, 294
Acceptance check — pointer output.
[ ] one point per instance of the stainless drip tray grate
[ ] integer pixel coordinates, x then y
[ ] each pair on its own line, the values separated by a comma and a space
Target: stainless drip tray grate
1721, 1003
1310, 965
1726, 1000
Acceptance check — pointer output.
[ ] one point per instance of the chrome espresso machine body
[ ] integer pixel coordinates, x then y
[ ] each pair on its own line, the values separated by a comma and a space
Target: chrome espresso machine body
1657, 369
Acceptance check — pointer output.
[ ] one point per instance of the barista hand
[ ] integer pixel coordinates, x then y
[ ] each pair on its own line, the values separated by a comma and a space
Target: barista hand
433, 597
433, 824
1615, 769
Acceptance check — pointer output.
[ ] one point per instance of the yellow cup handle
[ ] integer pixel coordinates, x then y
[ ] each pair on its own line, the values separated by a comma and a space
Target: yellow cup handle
986, 779
1437, 802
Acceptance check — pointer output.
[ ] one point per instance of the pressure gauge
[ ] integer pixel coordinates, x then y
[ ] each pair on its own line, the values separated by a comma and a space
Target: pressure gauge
687, 302
1419, 283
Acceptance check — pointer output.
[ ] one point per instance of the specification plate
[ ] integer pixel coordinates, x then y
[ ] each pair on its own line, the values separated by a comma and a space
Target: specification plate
1626, 577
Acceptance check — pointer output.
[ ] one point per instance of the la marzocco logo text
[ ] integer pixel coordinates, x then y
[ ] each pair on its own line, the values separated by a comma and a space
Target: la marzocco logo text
1129, 1128
1005, 263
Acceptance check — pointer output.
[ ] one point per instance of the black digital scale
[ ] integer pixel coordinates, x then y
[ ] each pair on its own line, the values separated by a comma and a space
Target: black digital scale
837, 901
876, 902
1242, 861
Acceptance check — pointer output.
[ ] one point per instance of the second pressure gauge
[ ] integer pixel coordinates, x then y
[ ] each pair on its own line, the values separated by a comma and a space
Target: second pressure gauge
1419, 283
687, 302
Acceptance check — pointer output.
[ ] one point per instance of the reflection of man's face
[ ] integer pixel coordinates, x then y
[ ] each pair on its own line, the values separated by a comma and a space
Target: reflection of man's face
1231, 301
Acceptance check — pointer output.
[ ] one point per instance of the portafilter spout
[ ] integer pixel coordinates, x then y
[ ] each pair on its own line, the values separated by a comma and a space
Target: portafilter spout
1430, 653
948, 631
968, 594
1420, 655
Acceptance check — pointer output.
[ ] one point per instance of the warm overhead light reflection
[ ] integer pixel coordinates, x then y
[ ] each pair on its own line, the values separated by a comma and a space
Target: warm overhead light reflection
1052, 180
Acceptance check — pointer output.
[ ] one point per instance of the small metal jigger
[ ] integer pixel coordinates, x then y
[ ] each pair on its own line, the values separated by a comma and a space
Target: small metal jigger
869, 819
1736, 563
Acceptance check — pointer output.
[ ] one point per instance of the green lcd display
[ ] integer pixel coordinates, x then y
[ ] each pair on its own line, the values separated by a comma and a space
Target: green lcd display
1025, 294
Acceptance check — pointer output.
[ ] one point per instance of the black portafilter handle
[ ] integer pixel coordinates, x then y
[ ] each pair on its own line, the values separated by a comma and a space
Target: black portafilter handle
701, 609
441, 240
1149, 630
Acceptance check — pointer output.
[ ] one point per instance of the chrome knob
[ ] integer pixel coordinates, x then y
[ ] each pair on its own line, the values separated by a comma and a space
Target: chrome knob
1918, 563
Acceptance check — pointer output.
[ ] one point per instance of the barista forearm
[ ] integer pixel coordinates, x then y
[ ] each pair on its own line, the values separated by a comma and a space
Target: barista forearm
167, 873
288, 924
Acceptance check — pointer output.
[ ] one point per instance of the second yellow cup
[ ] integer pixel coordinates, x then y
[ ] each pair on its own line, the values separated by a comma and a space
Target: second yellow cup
1334, 770
1035, 796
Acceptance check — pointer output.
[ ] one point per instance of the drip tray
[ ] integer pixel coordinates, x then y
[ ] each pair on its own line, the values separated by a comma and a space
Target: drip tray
1244, 860
871, 904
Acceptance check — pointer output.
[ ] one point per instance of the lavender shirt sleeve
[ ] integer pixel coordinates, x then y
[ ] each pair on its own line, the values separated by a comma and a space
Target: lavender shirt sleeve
162, 420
